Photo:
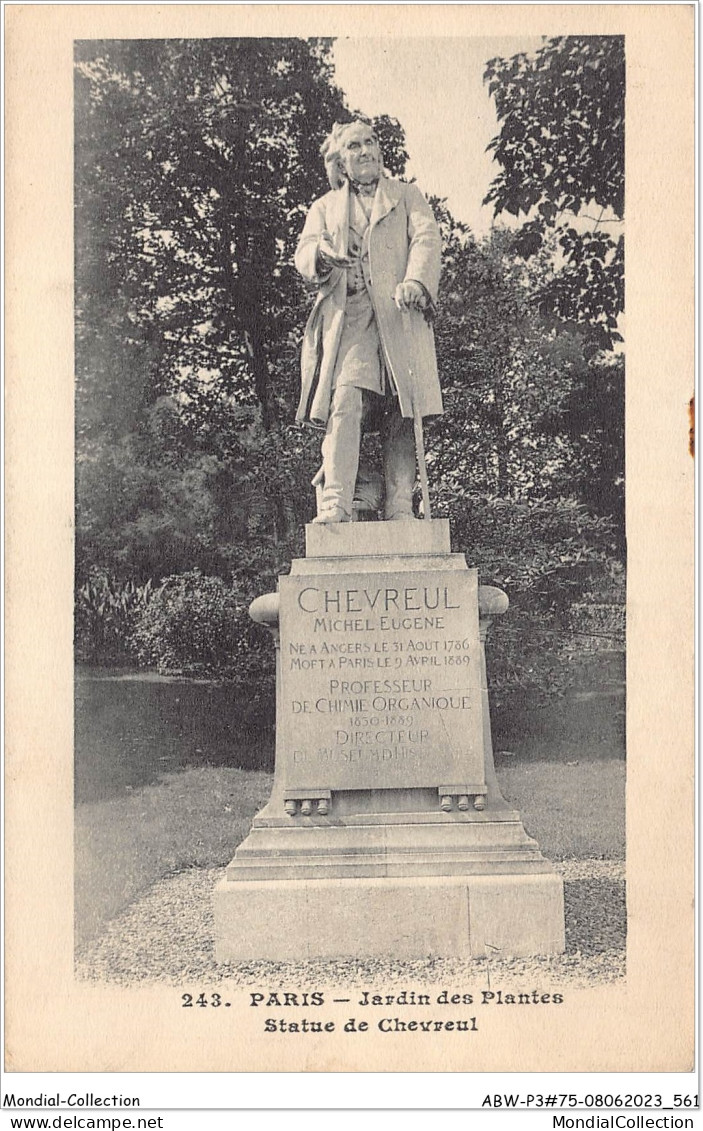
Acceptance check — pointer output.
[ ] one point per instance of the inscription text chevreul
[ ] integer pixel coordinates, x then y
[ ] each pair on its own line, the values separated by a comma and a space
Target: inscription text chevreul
412, 598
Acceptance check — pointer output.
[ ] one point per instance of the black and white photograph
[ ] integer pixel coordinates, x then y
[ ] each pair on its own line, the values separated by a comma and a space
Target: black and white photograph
358, 727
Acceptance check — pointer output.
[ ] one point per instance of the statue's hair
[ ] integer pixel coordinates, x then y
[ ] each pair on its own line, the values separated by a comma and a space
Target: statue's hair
331, 150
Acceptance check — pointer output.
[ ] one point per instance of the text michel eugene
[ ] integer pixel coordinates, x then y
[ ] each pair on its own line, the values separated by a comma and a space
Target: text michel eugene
333, 610
294, 1023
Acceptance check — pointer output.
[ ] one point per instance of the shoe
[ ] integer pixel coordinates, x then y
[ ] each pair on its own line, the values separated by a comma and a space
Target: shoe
334, 514
400, 516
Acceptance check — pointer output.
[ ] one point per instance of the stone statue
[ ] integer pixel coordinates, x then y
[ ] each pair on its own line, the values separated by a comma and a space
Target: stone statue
385, 824
373, 248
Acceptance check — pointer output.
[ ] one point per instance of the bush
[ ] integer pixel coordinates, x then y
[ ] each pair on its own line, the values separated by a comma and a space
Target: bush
200, 626
193, 626
106, 612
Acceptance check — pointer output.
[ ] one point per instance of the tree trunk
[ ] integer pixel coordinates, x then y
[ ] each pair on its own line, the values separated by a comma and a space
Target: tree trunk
255, 343
246, 310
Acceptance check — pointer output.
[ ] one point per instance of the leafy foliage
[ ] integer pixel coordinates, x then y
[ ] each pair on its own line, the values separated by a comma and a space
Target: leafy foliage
193, 165
547, 554
561, 148
526, 415
106, 613
191, 626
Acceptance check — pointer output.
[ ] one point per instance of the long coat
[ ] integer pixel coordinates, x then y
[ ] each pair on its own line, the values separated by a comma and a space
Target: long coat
404, 243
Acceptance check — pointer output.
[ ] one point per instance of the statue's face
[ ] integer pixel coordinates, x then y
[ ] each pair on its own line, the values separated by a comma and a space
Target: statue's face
360, 153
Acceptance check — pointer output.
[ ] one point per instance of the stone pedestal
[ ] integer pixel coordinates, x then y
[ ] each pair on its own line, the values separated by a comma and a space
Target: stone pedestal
386, 832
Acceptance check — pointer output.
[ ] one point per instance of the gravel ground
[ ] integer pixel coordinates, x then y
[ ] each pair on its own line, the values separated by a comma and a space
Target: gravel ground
167, 936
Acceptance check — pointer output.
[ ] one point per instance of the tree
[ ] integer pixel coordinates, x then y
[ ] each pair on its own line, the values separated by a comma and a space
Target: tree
509, 379
561, 148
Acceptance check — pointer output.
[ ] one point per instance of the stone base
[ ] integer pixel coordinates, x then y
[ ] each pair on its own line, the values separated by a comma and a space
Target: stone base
417, 917
373, 539
404, 847
385, 845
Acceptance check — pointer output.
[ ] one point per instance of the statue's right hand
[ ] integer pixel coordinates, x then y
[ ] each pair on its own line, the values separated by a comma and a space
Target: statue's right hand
328, 257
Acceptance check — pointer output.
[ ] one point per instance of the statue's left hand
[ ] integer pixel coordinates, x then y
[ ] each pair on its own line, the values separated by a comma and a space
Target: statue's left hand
410, 295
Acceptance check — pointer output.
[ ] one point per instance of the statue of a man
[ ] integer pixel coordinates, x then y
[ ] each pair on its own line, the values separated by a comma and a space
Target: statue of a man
373, 248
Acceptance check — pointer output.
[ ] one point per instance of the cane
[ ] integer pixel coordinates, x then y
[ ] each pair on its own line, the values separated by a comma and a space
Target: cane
420, 449
419, 435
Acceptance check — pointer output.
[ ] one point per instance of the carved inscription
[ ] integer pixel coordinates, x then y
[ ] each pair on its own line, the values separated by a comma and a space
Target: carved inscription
381, 680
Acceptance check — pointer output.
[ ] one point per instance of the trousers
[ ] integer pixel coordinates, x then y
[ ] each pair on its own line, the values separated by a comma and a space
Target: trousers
349, 409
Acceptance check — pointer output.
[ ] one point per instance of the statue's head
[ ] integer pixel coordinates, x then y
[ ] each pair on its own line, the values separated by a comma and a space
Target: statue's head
351, 152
